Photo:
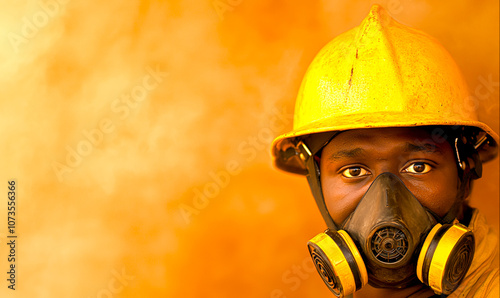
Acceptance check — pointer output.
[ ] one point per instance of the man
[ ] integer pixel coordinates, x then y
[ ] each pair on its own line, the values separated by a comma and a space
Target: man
387, 134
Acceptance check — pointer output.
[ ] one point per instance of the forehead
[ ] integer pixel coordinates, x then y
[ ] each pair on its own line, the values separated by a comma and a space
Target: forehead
402, 138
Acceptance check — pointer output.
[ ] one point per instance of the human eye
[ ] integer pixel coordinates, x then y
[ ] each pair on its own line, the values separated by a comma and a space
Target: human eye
354, 172
418, 168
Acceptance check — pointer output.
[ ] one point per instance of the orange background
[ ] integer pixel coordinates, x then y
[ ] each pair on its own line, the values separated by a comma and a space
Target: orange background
123, 218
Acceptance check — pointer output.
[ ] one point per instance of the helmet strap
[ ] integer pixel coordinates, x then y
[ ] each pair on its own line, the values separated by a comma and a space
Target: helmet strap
307, 155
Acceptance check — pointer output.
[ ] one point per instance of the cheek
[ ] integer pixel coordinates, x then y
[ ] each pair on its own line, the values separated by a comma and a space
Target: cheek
341, 199
438, 194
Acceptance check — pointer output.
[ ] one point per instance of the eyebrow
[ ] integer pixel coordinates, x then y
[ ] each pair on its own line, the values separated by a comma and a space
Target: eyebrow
407, 147
356, 152
428, 148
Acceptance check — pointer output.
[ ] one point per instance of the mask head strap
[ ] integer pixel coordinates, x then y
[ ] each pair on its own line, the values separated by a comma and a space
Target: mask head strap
307, 150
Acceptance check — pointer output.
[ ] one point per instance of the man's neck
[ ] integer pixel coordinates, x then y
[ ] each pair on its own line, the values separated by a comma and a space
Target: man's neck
416, 291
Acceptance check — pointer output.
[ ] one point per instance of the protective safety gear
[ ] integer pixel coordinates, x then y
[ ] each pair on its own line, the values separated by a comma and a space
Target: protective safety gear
482, 279
390, 236
381, 74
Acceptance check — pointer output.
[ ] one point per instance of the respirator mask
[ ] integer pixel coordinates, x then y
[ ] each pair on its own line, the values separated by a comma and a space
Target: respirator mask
389, 240
391, 236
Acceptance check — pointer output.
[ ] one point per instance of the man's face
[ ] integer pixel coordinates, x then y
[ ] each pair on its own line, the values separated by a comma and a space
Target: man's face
353, 159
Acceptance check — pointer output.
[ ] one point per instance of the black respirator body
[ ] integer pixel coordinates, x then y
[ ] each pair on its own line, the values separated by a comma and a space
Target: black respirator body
389, 240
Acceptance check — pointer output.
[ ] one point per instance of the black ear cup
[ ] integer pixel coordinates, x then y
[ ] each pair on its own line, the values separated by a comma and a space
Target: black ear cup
338, 262
445, 257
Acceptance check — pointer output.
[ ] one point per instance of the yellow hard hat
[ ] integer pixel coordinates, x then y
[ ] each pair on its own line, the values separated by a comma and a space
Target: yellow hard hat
380, 74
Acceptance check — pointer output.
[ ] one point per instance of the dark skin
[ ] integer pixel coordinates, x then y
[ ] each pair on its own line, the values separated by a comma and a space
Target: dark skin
425, 163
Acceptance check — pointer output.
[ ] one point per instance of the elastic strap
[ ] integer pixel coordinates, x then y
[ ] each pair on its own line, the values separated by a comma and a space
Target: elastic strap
307, 151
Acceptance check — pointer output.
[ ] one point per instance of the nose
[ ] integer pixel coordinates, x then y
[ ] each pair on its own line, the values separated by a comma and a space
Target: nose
387, 167
387, 200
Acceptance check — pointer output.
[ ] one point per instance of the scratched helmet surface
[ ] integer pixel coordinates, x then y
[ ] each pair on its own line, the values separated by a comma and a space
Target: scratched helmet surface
380, 74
